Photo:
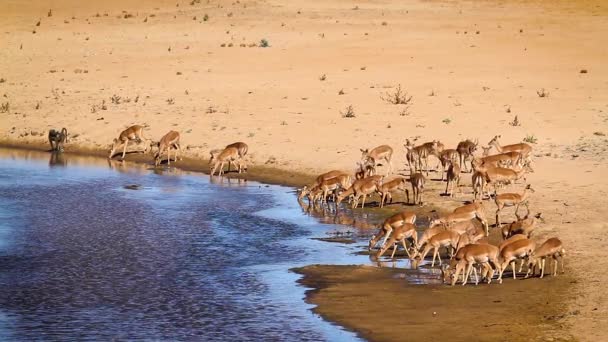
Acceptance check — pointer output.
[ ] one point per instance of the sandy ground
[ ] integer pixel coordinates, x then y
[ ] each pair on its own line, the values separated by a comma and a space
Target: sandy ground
470, 67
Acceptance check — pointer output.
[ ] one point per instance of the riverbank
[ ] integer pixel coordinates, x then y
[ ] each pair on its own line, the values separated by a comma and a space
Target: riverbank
531, 70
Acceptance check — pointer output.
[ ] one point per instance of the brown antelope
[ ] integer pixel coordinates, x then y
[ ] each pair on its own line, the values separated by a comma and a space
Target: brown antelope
448, 239
465, 213
447, 158
424, 151
334, 184
511, 239
387, 187
133, 133
430, 232
324, 176
241, 147
361, 187
501, 159
453, 178
465, 150
417, 181
411, 156
168, 141
499, 175
400, 233
473, 254
389, 224
551, 248
510, 200
515, 250
525, 226
478, 181
382, 152
467, 239
219, 159
523, 148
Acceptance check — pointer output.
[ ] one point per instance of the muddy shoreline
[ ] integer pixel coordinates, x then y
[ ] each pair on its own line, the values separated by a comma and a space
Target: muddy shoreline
379, 304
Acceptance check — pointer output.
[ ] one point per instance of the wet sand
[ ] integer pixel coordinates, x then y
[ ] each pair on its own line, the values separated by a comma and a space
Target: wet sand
380, 305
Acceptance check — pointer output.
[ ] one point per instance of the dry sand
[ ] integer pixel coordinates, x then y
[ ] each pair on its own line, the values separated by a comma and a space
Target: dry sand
470, 67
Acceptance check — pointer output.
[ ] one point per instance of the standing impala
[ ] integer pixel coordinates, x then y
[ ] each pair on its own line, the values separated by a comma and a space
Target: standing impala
382, 152
522, 148
417, 181
465, 150
133, 133
168, 141
471, 254
387, 187
447, 239
453, 179
510, 200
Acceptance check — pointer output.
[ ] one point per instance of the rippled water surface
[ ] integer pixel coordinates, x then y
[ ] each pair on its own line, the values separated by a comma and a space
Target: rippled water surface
182, 258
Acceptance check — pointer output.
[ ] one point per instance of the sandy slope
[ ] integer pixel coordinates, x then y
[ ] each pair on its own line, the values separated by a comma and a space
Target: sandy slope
483, 62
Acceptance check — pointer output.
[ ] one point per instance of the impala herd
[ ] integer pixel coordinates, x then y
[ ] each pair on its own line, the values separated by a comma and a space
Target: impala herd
463, 232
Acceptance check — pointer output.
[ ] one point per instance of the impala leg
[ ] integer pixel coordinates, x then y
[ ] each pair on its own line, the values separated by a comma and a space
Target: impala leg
435, 254
406, 249
394, 250
363, 202
513, 269
382, 200
169, 155
562, 257
521, 265
124, 150
466, 274
389, 230
542, 267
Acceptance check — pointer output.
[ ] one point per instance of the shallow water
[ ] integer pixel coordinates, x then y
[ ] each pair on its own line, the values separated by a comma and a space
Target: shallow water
183, 257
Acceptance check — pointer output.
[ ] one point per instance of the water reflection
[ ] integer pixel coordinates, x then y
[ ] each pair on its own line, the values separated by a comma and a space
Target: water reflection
56, 159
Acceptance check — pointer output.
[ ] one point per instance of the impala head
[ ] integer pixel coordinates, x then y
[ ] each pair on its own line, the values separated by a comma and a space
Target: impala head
486, 150
447, 273
364, 154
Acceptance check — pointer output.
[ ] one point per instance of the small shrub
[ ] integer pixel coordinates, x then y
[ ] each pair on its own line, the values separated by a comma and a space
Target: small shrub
341, 92
37, 105
115, 99
5, 107
264, 43
323, 77
349, 112
211, 110
530, 139
206, 17
599, 134
446, 121
2, 80
400, 96
170, 101
515, 122
405, 111
542, 93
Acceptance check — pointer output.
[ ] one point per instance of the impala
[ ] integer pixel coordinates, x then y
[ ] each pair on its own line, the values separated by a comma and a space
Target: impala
447, 158
516, 250
512, 200
133, 133
219, 159
168, 141
551, 248
389, 224
453, 179
382, 152
448, 239
472, 254
525, 226
400, 233
523, 148
465, 150
361, 187
387, 187
417, 181
465, 213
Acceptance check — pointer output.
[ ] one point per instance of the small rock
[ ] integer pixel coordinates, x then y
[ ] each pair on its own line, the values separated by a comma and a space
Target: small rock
132, 187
